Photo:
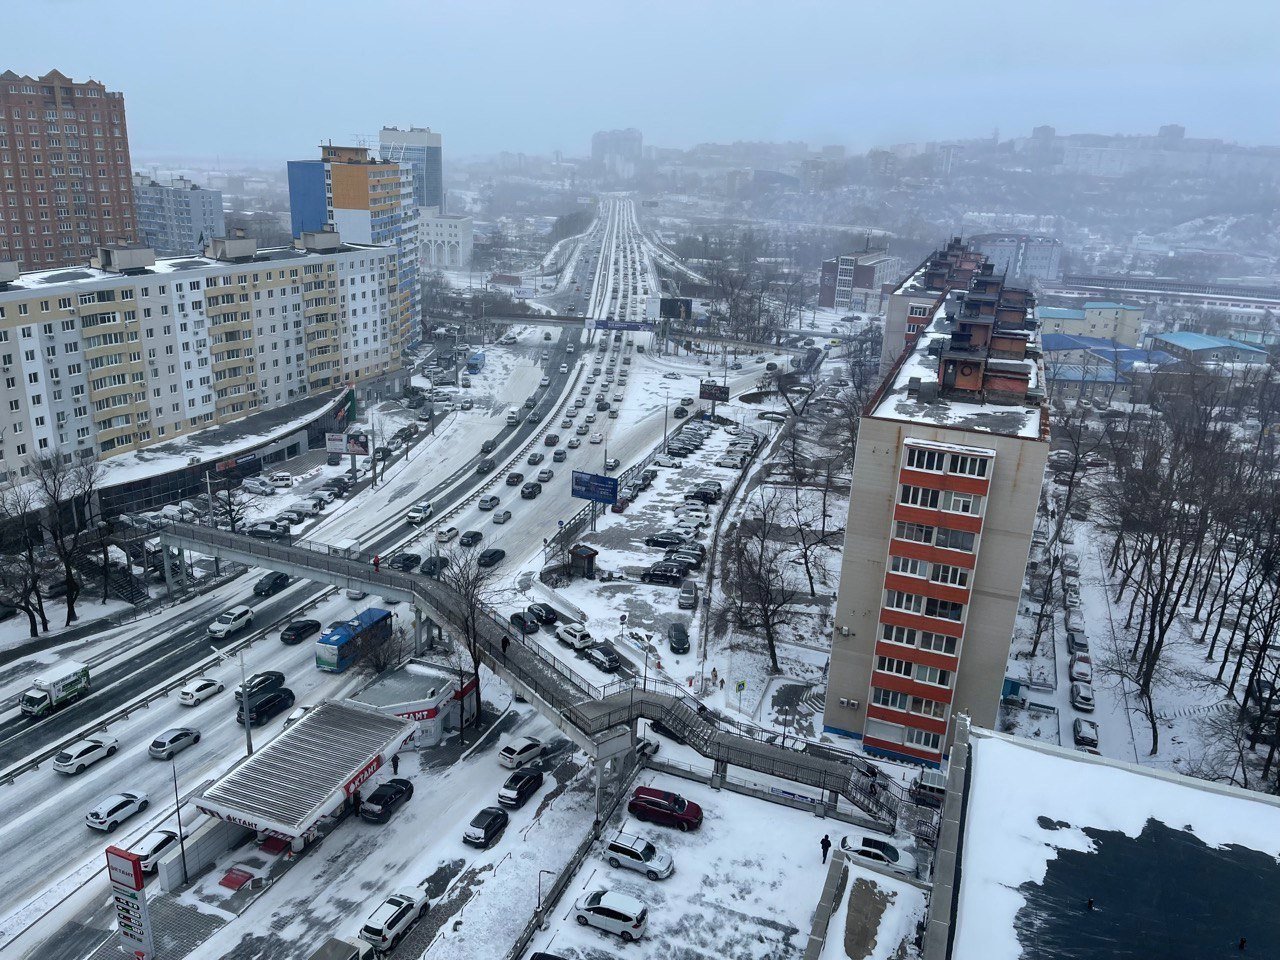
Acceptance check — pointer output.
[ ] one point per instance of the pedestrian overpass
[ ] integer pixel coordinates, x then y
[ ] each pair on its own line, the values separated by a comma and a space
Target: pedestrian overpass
599, 720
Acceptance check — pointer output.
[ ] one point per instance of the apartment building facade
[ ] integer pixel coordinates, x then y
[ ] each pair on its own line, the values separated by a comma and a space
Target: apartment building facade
177, 217
367, 201
65, 172
132, 350
1021, 255
1121, 322
946, 480
855, 281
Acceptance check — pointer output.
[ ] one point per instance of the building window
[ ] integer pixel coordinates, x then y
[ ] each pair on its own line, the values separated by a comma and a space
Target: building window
919, 458
918, 310
937, 643
923, 739
933, 675
951, 576
908, 566
906, 602
954, 539
969, 466
954, 502
915, 532
903, 636
928, 708
943, 609
919, 496
889, 698
892, 665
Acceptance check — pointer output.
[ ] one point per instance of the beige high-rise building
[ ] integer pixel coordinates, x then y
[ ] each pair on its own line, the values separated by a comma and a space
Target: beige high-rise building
946, 480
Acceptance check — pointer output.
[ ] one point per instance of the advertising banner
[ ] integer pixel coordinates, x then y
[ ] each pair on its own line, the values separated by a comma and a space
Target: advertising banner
595, 486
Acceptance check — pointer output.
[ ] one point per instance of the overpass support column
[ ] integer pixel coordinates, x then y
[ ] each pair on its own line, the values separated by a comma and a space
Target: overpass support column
718, 773
167, 558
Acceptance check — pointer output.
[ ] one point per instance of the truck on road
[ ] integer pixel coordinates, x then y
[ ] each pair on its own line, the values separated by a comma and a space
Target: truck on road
339, 646
55, 687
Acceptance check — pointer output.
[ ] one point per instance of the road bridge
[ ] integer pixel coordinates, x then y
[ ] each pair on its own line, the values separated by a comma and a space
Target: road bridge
600, 720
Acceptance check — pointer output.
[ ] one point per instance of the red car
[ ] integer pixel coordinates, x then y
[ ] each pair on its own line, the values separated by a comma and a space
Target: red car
664, 807
620, 505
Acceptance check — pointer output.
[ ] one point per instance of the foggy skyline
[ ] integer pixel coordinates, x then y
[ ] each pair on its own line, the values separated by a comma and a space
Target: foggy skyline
268, 82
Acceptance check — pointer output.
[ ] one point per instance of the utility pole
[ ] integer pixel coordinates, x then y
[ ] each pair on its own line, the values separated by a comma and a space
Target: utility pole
177, 812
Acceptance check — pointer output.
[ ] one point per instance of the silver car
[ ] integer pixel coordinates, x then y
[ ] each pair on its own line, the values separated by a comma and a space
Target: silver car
173, 741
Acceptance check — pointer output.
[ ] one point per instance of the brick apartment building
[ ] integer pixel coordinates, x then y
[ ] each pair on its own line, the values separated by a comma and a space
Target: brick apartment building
64, 170
946, 479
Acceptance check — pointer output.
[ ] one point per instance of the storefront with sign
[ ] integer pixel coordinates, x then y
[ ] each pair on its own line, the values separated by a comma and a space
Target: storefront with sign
300, 782
428, 696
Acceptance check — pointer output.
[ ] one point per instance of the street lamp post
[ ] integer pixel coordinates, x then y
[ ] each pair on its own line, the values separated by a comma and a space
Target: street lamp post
244, 698
666, 398
177, 812
540, 873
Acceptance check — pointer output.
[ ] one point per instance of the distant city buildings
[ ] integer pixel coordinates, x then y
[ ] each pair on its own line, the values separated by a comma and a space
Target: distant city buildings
617, 153
366, 201
1121, 322
70, 189
856, 281
422, 152
947, 473
177, 217
1021, 256
445, 240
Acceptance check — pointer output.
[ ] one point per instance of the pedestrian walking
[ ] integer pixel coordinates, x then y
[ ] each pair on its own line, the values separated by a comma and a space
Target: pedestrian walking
395, 764
377, 560
506, 642
355, 802
826, 847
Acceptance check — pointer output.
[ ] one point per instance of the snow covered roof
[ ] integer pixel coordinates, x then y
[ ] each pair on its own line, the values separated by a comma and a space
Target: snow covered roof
306, 772
1177, 868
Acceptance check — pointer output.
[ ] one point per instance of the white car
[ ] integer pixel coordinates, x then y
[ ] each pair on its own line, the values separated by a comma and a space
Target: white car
322, 493
198, 691
501, 516
257, 485
564, 368
86, 753
520, 751
489, 502
615, 913
153, 847
446, 534
665, 461
670, 376
597, 438
574, 635
733, 463
1081, 668
231, 621
109, 812
879, 851
544, 382
386, 926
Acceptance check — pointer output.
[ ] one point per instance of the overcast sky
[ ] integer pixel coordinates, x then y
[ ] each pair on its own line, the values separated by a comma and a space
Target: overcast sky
270, 79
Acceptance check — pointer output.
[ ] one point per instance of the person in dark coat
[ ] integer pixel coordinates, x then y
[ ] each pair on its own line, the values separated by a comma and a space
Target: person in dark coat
825, 843
376, 561
355, 802
395, 764
506, 642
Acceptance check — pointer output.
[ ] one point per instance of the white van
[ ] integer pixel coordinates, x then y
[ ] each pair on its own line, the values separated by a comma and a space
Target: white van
281, 479
513, 417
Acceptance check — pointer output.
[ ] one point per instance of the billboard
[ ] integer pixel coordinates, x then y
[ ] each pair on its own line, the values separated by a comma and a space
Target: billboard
676, 308
357, 444
623, 325
133, 919
595, 486
335, 443
710, 390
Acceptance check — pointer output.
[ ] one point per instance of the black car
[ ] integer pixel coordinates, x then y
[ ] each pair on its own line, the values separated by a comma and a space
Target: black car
602, 405
381, 454
530, 490
384, 801
266, 706
489, 558
299, 630
677, 637
551, 439
407, 562
543, 613
664, 540
334, 459
514, 479
259, 533
485, 465
524, 622
470, 538
657, 726
486, 827
489, 446
270, 583
434, 566
702, 496
520, 786
648, 475
339, 485
602, 658
679, 413
666, 573
260, 683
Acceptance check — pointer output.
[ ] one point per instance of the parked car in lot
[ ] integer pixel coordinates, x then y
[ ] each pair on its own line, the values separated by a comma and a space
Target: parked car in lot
664, 572
878, 850
270, 583
1085, 733
406, 562
173, 741
486, 827
632, 852
520, 751
616, 913
1080, 668
1082, 697
388, 924
198, 691
678, 637
688, 599
265, 707
489, 558
520, 786
574, 635
664, 807
603, 658
79, 756
524, 622
386, 800
543, 613
433, 566
109, 812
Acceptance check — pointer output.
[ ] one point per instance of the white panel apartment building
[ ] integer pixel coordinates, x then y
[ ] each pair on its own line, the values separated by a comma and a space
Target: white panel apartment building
133, 351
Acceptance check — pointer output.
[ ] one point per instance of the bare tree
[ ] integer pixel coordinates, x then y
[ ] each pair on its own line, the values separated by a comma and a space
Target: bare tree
233, 506
381, 651
19, 564
67, 487
764, 581
477, 591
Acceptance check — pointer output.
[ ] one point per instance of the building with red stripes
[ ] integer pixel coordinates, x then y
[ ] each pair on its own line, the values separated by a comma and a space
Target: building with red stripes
947, 475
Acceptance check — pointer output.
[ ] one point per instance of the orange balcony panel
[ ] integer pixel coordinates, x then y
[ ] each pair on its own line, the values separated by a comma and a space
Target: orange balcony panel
926, 588
898, 618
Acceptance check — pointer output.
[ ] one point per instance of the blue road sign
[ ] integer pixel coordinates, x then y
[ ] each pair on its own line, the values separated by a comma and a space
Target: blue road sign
624, 325
594, 486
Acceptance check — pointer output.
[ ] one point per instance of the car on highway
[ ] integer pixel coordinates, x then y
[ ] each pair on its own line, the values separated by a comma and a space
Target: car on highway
231, 621
489, 502
446, 534
574, 443
386, 800
153, 847
199, 690
560, 456
109, 812
544, 382
530, 490
489, 446
83, 754
574, 635
546, 475
597, 438
520, 751
515, 478
664, 807
490, 558
486, 465
501, 516
260, 683
879, 851
265, 707
582, 429
551, 439
524, 622
470, 538
612, 463
535, 458
270, 583
173, 741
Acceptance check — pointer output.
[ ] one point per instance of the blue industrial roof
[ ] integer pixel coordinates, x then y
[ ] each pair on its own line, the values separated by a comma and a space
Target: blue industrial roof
1053, 342
1189, 340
